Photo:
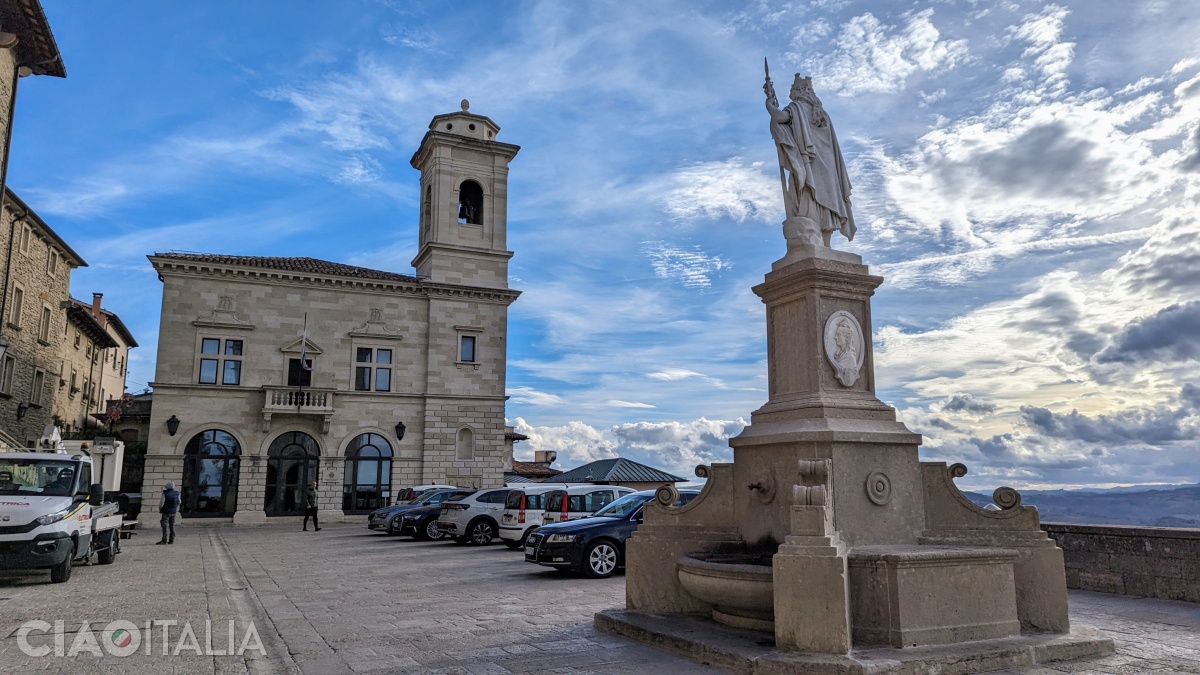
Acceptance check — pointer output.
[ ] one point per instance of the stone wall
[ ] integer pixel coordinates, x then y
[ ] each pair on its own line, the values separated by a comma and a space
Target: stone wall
1154, 562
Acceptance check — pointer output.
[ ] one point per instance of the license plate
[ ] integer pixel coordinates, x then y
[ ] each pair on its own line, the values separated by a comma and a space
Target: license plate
529, 550
508, 519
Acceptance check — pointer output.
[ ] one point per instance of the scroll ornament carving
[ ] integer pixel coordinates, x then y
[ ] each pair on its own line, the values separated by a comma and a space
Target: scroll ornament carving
1006, 498
809, 495
957, 470
666, 495
845, 348
702, 471
879, 488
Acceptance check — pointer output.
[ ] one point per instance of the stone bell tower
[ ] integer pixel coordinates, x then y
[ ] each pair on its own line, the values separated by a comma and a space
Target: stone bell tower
464, 201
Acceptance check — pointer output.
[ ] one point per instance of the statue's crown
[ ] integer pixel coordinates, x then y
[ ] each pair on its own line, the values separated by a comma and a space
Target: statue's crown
802, 82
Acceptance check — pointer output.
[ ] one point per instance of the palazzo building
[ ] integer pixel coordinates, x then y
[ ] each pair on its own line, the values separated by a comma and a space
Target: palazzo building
272, 372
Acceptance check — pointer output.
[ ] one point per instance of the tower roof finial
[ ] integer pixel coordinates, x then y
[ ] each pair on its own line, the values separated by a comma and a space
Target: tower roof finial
466, 105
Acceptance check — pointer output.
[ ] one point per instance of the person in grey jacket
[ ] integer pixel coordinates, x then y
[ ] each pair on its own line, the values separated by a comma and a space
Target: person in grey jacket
310, 506
168, 508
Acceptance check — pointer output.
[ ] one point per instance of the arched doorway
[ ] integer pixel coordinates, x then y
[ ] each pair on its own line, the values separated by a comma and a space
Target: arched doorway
368, 482
210, 475
293, 461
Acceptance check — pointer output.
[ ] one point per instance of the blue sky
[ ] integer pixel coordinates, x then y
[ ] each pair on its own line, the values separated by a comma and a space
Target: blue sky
1026, 177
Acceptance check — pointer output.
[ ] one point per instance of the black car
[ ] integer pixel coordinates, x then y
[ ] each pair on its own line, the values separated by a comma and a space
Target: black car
389, 517
595, 544
422, 522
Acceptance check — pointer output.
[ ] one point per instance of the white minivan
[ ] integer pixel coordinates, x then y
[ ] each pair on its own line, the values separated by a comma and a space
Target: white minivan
523, 509
578, 501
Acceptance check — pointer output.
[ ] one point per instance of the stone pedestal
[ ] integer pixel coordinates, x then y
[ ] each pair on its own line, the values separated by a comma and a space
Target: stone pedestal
871, 547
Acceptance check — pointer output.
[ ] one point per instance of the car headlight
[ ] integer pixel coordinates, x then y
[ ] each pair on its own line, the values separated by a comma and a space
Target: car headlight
51, 518
561, 538
411, 517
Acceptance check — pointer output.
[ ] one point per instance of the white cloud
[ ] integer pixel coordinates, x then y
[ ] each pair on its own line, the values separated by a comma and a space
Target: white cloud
359, 169
691, 268
724, 189
874, 58
673, 374
627, 404
531, 396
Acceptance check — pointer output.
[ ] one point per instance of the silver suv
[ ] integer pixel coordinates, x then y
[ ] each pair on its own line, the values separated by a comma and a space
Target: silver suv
473, 518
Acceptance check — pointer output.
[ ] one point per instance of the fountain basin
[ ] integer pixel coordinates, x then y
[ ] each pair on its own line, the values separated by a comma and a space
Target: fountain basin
740, 587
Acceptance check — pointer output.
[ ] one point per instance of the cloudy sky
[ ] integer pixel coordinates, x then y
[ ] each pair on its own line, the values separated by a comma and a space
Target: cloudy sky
1026, 177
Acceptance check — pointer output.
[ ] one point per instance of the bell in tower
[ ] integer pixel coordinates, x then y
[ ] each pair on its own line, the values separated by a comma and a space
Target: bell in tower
464, 203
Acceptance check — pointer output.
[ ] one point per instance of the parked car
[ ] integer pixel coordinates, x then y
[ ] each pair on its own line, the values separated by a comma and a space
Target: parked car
578, 501
595, 544
421, 522
473, 518
410, 494
523, 511
389, 518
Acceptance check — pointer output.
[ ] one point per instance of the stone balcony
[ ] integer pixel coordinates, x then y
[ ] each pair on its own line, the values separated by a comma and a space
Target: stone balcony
298, 401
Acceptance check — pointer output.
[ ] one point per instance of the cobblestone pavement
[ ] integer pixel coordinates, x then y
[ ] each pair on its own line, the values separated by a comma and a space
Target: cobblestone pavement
349, 601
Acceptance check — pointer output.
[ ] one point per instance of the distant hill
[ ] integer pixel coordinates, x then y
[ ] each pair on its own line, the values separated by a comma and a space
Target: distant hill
1154, 507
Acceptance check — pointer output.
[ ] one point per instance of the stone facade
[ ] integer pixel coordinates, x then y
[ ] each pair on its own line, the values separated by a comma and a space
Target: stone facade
427, 351
34, 324
94, 353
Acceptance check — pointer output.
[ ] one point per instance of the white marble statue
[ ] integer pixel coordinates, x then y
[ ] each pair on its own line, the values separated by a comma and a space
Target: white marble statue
816, 188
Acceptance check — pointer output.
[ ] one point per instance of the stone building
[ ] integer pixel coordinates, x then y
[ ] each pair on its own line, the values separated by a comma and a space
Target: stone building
275, 371
37, 280
27, 47
95, 356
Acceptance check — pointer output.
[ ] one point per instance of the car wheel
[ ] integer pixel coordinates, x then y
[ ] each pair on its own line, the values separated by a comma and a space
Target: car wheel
394, 526
430, 531
480, 533
62, 571
109, 553
600, 560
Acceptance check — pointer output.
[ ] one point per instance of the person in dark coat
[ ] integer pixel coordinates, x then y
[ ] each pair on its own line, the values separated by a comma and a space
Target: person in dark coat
310, 506
168, 508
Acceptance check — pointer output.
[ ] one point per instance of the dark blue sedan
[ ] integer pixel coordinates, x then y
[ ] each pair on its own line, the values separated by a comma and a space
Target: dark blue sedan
595, 544
391, 518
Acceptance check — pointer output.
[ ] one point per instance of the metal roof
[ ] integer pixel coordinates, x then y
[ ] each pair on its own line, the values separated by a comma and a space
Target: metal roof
618, 470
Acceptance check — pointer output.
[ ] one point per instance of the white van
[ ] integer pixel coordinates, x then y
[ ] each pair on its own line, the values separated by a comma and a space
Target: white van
523, 511
578, 501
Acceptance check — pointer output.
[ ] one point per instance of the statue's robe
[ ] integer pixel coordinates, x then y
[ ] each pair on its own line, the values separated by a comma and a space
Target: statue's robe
812, 152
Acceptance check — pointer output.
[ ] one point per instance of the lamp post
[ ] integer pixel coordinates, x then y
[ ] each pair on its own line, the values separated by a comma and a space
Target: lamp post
400, 429
172, 425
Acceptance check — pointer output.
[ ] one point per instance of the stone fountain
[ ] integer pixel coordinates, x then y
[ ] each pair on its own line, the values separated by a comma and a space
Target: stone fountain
826, 545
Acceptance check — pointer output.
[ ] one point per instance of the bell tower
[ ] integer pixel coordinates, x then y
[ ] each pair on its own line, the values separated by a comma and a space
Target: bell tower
464, 201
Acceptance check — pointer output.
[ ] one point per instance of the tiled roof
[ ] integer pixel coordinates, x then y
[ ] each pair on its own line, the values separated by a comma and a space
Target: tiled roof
533, 469
36, 46
619, 470
515, 436
303, 265
511, 478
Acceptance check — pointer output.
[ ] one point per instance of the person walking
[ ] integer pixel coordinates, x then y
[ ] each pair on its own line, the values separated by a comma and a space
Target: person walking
168, 508
310, 506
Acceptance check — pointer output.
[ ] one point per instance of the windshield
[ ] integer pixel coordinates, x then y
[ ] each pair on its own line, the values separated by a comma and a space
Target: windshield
623, 507
435, 497
37, 476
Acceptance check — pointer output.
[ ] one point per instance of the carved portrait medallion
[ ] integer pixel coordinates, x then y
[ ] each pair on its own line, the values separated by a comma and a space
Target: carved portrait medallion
844, 346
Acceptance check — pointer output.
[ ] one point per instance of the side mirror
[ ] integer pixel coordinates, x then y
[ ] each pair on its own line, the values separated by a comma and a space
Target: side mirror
96, 494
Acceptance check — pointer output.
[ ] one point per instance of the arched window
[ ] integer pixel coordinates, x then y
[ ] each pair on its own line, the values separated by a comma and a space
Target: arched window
464, 445
470, 203
368, 481
426, 214
210, 475
293, 461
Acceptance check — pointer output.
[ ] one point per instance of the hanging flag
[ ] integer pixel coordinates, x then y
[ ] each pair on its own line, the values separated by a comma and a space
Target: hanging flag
304, 346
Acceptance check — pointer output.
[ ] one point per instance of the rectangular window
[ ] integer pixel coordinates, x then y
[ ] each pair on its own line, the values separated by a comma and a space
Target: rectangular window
15, 306
74, 384
35, 392
372, 369
26, 235
44, 326
88, 353
52, 263
466, 352
77, 339
6, 377
298, 376
228, 369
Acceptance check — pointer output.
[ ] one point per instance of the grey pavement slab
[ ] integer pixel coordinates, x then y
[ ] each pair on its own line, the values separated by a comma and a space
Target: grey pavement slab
345, 600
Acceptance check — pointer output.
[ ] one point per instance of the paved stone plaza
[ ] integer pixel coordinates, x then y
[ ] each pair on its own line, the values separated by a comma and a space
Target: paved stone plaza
396, 605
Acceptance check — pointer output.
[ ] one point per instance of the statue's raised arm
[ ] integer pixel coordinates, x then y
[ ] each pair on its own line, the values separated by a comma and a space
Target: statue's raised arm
816, 188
